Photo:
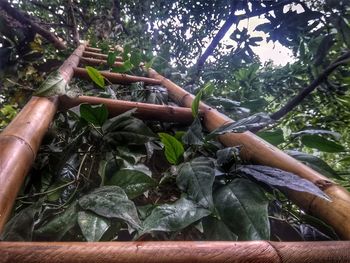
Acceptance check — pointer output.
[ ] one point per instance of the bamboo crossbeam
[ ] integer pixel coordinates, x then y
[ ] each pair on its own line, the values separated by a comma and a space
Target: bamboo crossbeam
256, 150
144, 111
117, 78
175, 252
93, 49
98, 56
97, 62
21, 140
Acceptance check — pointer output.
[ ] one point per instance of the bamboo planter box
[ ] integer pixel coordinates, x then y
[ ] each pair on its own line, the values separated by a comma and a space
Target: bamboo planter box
21, 140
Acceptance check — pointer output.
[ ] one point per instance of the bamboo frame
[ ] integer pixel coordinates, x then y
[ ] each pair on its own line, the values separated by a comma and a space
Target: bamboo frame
97, 62
256, 150
21, 140
175, 252
117, 78
89, 54
144, 111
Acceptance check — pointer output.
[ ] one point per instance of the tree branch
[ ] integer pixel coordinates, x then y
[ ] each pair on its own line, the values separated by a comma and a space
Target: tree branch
116, 15
227, 25
342, 60
28, 22
73, 23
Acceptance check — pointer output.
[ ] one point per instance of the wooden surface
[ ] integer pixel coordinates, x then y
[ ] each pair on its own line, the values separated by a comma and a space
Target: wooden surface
173, 252
116, 78
144, 111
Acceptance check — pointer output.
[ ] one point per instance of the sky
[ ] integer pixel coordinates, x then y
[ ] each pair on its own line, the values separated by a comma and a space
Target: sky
279, 54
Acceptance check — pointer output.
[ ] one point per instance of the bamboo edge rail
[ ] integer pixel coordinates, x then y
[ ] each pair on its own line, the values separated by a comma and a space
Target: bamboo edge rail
175, 252
21, 139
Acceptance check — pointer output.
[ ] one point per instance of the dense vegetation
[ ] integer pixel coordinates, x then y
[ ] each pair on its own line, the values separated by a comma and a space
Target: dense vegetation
125, 179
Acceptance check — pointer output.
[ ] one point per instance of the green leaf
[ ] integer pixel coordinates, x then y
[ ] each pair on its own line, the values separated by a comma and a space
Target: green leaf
21, 225
226, 103
111, 202
194, 135
59, 225
174, 217
96, 76
94, 114
315, 163
336, 135
111, 58
279, 178
321, 144
92, 226
196, 178
135, 58
208, 87
133, 182
227, 155
173, 148
126, 51
55, 84
274, 137
150, 63
258, 120
125, 129
242, 206
216, 230
127, 66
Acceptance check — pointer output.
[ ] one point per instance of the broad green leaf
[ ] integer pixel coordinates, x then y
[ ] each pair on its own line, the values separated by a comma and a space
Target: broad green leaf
208, 87
194, 135
150, 63
111, 202
92, 226
216, 230
274, 137
59, 225
96, 76
242, 206
135, 58
315, 163
336, 135
126, 51
95, 114
111, 58
279, 178
174, 217
227, 155
196, 178
133, 182
258, 120
21, 225
125, 129
173, 148
321, 144
55, 84
127, 66
226, 103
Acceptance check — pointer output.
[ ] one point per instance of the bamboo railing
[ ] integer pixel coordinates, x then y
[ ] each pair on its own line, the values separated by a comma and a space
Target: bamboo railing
21, 140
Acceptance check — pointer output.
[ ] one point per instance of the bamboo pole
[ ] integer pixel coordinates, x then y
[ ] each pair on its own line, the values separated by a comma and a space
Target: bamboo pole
21, 140
93, 49
144, 111
117, 77
97, 62
256, 150
99, 56
173, 252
